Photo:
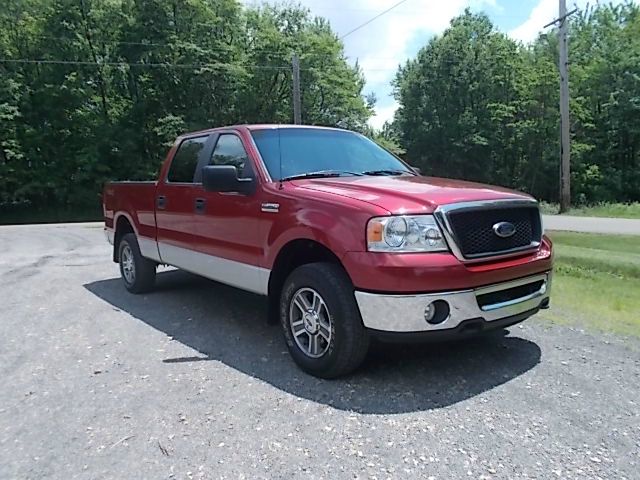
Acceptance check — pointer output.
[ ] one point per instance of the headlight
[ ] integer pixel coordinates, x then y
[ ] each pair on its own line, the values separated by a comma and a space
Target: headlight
405, 233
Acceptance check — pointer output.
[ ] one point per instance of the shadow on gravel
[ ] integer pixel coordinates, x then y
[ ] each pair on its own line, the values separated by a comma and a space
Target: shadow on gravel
228, 325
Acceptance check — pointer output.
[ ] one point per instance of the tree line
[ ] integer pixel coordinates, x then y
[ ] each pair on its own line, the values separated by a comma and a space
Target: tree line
96, 90
475, 104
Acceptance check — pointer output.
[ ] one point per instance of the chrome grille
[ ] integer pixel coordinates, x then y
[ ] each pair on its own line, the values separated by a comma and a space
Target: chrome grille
470, 226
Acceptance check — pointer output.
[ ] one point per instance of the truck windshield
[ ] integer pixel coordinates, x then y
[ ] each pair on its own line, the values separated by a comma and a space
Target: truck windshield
294, 152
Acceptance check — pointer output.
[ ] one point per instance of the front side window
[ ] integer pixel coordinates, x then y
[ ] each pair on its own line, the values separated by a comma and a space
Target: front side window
230, 151
288, 152
185, 160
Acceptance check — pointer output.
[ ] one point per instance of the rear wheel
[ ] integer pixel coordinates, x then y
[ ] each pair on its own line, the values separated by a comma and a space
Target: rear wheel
321, 321
138, 272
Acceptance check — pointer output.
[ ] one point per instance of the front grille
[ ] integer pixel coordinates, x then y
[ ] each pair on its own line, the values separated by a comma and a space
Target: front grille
509, 294
473, 229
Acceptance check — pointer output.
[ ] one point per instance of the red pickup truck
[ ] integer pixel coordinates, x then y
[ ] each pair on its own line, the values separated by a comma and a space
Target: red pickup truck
347, 241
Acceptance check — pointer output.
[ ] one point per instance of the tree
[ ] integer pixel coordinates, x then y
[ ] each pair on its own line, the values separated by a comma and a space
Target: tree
476, 105
459, 103
108, 85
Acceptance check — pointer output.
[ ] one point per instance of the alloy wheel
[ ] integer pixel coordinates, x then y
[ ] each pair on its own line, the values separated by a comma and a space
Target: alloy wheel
310, 322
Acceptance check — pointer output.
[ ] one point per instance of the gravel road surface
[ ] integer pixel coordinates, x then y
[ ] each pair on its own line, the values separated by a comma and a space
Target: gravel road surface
190, 382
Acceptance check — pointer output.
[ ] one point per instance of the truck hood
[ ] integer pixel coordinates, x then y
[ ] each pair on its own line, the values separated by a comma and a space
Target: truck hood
407, 193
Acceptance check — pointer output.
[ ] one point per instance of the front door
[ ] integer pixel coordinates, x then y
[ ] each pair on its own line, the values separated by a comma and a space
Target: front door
228, 223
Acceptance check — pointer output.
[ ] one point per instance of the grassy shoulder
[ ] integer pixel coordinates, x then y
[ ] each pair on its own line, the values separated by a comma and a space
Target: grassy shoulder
597, 282
610, 210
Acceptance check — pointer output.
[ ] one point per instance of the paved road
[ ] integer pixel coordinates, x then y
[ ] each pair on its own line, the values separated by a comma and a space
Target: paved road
189, 382
625, 226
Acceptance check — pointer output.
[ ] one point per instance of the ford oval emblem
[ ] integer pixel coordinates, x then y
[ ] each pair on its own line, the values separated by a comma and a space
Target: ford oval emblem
504, 229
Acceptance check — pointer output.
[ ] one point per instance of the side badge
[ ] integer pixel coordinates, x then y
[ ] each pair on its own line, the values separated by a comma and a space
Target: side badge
270, 207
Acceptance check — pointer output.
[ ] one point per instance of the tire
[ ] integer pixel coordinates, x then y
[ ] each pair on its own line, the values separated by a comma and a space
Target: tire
333, 342
138, 273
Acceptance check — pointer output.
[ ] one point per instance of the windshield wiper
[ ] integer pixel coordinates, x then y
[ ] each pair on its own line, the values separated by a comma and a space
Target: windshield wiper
386, 172
321, 174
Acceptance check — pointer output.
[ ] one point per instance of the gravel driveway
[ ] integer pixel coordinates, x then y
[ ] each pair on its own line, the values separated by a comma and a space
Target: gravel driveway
189, 382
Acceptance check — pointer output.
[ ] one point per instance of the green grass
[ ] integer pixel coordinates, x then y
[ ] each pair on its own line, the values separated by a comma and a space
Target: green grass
597, 282
612, 210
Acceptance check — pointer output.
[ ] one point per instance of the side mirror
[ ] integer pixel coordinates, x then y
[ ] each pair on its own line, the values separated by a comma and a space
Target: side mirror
416, 169
224, 178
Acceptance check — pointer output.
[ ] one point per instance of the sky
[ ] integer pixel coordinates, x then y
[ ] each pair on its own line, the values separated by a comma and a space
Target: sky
389, 41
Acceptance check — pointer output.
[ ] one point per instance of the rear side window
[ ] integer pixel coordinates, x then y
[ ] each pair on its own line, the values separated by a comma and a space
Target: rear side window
230, 151
183, 165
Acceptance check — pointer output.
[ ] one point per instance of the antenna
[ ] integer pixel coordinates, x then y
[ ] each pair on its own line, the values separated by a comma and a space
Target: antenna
280, 159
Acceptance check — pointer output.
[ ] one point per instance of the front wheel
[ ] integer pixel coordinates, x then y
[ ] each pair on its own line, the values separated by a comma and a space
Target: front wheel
321, 321
138, 272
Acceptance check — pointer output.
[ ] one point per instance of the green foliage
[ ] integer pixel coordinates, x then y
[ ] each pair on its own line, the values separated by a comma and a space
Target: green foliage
475, 104
149, 70
387, 138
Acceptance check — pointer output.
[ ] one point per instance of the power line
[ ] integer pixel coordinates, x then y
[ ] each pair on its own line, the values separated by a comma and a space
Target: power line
408, 11
561, 19
152, 65
178, 43
372, 19
101, 40
185, 43
441, 62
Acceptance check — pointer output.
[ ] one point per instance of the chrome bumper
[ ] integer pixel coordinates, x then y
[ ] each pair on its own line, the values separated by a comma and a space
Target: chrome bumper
406, 313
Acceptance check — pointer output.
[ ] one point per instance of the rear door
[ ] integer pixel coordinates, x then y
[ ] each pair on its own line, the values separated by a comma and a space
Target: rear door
175, 201
228, 223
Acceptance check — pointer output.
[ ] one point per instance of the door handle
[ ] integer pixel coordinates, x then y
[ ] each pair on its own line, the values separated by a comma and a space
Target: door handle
200, 204
161, 202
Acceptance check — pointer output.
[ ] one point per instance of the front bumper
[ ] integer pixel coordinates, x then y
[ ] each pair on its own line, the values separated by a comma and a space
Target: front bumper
406, 313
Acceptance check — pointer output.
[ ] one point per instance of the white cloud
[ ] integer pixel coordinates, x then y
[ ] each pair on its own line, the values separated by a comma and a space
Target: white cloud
384, 44
383, 114
543, 13
390, 40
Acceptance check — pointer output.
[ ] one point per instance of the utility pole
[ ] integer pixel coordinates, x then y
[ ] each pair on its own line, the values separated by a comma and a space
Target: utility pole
297, 110
565, 139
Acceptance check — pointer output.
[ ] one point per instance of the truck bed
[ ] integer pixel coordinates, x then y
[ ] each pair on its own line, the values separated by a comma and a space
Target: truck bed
136, 200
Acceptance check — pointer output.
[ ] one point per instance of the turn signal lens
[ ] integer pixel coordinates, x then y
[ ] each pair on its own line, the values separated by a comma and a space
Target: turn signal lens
374, 231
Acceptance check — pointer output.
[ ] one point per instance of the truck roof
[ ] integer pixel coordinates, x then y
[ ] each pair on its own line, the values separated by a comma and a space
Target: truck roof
262, 126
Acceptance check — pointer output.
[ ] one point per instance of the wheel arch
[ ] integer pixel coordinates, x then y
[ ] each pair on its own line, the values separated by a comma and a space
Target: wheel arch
292, 255
123, 225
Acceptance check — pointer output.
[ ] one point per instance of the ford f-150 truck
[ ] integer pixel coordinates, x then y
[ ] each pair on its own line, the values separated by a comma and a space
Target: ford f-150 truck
347, 241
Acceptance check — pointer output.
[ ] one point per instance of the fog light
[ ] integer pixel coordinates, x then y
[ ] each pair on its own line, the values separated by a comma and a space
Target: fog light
543, 288
436, 312
430, 312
